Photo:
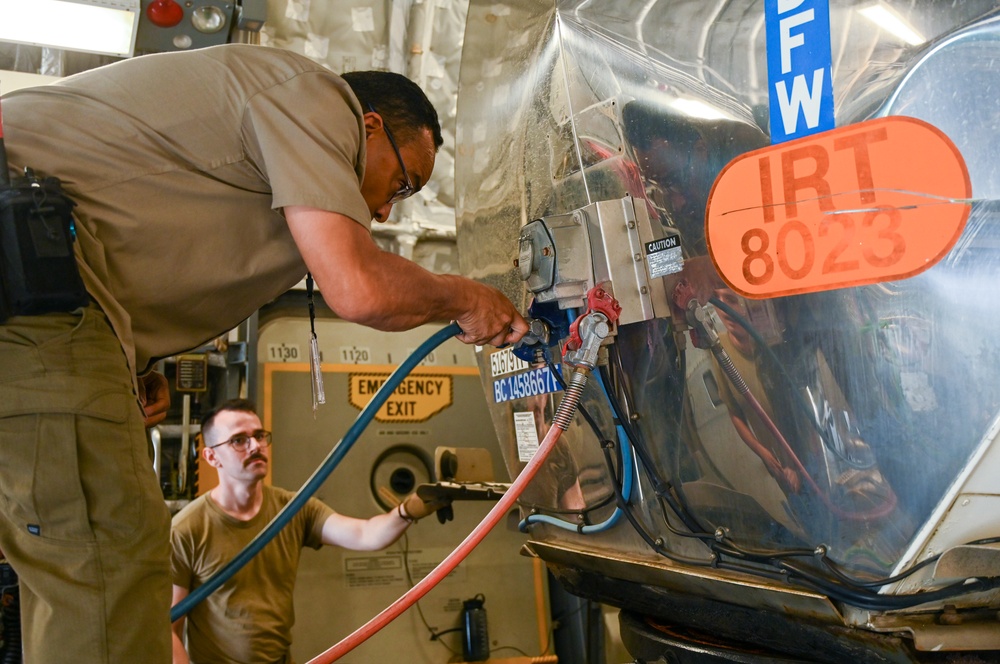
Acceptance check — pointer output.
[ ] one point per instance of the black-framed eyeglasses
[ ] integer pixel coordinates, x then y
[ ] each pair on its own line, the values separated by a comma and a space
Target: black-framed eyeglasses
407, 189
241, 441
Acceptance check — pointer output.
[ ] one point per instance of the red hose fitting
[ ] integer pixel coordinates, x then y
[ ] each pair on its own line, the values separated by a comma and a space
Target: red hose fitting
598, 300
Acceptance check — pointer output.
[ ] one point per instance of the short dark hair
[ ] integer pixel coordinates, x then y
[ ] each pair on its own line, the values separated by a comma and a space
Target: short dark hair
237, 405
400, 102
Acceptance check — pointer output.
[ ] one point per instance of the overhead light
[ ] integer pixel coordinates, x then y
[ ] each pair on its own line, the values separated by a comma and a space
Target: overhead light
698, 109
887, 19
94, 26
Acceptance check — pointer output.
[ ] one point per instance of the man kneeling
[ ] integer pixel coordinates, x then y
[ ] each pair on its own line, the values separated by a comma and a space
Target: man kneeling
249, 618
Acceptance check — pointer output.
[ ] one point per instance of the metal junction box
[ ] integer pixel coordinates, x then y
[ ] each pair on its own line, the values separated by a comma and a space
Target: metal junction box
613, 243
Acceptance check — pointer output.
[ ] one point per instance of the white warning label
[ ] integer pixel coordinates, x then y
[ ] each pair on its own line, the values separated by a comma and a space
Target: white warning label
375, 571
389, 568
526, 434
664, 256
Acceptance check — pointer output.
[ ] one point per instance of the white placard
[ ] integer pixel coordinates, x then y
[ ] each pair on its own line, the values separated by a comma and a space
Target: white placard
526, 434
504, 362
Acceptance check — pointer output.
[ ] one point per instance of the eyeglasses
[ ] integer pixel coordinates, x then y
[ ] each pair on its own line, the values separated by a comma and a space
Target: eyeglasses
407, 189
241, 441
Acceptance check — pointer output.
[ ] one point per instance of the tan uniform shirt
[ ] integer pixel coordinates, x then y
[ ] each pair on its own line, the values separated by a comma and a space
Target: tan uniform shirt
180, 164
250, 618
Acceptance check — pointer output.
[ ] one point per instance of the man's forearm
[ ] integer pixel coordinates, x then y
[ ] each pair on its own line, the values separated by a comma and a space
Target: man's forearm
366, 285
385, 529
394, 294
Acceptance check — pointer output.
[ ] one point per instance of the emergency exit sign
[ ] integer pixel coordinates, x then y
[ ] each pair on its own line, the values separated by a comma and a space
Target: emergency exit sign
417, 398
799, 67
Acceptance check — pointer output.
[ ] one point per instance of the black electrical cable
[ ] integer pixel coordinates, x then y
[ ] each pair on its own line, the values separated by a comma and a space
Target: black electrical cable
680, 498
878, 583
435, 636
615, 470
902, 575
616, 473
726, 546
630, 434
678, 504
514, 648
654, 543
775, 565
841, 587
663, 492
593, 506
775, 575
866, 599
660, 488
845, 588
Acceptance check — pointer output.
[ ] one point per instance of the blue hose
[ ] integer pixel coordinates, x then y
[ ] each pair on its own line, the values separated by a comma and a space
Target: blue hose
319, 476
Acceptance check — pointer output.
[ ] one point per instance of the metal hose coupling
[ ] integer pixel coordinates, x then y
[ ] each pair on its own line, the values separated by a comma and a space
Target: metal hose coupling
571, 398
699, 317
726, 363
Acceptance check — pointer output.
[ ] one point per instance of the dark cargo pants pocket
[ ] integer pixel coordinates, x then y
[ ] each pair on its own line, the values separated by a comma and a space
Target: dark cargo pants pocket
73, 476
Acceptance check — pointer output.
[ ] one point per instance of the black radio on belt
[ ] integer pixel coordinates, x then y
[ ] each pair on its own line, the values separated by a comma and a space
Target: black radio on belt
38, 271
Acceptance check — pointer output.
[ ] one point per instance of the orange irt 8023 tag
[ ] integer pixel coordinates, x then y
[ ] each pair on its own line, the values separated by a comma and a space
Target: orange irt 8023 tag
875, 201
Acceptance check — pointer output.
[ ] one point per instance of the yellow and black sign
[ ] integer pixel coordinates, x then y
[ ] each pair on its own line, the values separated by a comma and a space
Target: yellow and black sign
418, 398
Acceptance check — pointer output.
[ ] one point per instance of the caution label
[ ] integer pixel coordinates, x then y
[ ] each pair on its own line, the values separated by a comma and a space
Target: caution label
664, 256
417, 399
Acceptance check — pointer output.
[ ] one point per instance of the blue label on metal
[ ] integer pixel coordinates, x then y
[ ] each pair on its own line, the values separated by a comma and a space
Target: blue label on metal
527, 384
799, 71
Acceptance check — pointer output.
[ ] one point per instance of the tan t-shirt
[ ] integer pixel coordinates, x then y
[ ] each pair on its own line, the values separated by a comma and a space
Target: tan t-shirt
249, 618
180, 164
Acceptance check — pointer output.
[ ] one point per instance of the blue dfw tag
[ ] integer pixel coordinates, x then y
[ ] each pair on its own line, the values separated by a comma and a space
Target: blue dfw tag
799, 70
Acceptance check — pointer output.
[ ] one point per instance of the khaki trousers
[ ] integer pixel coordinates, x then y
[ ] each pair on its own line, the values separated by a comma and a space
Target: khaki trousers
82, 520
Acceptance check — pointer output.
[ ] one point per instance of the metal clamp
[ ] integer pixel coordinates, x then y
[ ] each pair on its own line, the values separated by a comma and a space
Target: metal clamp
589, 332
